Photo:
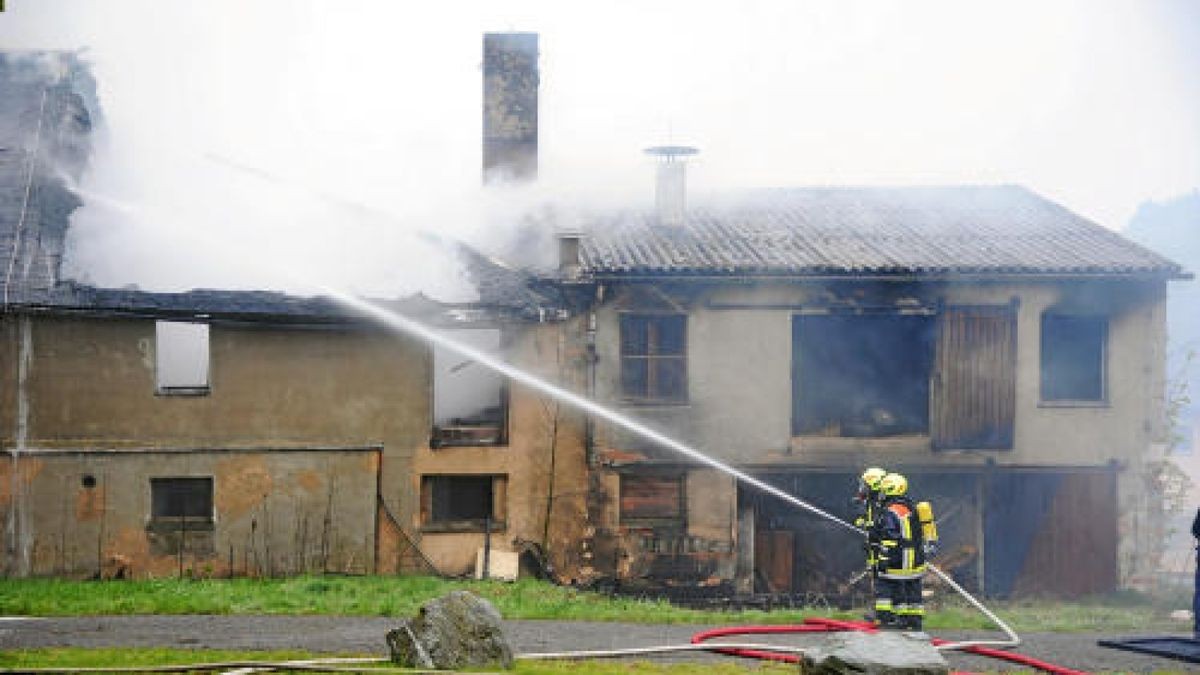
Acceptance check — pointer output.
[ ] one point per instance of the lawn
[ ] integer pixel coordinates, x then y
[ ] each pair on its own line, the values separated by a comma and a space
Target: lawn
128, 658
525, 599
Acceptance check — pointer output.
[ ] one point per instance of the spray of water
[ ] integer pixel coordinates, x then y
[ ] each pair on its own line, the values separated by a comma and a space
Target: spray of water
418, 329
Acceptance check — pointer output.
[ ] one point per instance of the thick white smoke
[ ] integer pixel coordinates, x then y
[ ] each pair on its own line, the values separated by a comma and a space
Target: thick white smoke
377, 104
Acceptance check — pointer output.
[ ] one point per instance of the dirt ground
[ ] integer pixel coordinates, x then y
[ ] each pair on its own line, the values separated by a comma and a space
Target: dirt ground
365, 635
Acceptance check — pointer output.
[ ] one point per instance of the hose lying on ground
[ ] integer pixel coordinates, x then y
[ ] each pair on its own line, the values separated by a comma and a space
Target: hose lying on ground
820, 625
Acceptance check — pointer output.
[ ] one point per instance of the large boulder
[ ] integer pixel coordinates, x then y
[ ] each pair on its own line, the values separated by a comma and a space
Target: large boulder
871, 653
458, 630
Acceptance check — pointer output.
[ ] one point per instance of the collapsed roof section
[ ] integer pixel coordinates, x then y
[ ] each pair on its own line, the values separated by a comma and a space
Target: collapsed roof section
48, 109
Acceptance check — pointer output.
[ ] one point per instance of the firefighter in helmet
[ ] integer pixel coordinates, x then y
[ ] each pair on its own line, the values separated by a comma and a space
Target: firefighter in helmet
867, 496
896, 537
866, 503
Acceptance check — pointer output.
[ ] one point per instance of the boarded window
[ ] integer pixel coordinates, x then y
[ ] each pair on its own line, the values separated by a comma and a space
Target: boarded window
654, 357
1073, 355
462, 503
861, 375
181, 357
652, 498
975, 388
470, 401
180, 498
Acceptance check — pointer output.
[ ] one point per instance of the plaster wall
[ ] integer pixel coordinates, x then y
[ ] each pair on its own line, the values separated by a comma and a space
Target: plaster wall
543, 462
89, 384
739, 396
274, 512
740, 390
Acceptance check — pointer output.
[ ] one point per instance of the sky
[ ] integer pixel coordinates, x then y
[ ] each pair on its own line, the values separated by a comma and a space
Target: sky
1094, 104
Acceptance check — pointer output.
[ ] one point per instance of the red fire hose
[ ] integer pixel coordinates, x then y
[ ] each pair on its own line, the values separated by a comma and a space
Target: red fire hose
822, 625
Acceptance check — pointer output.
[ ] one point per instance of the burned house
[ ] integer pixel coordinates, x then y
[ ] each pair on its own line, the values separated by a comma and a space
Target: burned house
247, 433
1004, 353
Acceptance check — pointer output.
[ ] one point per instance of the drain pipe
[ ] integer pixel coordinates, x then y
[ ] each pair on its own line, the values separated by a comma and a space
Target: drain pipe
19, 539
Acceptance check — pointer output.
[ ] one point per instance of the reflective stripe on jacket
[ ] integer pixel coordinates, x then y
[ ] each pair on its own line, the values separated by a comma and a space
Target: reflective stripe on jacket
900, 533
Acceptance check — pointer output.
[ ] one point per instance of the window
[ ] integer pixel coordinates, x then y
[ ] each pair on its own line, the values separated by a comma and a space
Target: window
652, 499
862, 376
462, 503
654, 357
177, 499
470, 401
1073, 355
181, 358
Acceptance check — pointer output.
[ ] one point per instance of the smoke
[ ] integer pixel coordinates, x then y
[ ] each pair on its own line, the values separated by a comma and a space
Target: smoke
342, 140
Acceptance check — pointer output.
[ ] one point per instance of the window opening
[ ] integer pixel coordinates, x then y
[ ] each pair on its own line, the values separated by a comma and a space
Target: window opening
1073, 355
654, 357
179, 498
861, 376
181, 357
470, 401
463, 503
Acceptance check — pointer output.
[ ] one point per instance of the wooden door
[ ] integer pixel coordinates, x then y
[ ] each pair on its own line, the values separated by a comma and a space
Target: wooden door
774, 553
974, 380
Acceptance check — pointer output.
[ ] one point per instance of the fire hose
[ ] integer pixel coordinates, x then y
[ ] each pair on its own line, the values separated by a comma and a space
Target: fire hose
821, 625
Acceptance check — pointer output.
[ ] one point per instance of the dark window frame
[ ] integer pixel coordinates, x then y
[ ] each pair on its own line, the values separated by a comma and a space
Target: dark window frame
654, 360
434, 501
1055, 357
168, 493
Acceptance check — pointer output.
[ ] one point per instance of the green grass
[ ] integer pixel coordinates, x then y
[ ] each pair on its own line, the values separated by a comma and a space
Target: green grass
345, 596
525, 599
76, 657
118, 658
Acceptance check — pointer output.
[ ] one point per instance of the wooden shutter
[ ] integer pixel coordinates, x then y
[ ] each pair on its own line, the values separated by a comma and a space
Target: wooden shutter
974, 382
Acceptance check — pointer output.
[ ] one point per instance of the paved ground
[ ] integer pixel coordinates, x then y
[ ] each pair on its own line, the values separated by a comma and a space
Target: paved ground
365, 635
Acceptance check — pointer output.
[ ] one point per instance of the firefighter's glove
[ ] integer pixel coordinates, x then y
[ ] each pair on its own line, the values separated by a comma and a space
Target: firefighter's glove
931, 549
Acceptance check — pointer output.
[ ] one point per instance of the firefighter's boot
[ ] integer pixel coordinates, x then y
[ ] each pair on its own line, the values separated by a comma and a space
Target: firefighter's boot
887, 620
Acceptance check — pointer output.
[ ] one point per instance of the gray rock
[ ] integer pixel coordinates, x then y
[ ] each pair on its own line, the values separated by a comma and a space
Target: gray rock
458, 630
870, 653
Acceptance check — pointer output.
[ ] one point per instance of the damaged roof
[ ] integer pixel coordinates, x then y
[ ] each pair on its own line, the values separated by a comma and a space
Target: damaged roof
48, 108
215, 304
45, 124
849, 231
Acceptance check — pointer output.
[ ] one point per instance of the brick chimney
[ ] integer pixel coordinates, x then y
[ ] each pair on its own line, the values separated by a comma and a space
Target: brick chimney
510, 107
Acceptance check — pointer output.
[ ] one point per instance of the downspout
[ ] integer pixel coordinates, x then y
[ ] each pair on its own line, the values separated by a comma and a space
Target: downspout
589, 429
19, 534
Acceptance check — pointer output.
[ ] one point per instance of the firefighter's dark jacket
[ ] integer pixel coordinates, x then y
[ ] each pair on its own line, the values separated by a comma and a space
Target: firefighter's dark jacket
898, 532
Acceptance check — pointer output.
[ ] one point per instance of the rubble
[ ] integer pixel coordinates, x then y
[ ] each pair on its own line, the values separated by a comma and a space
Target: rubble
456, 631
